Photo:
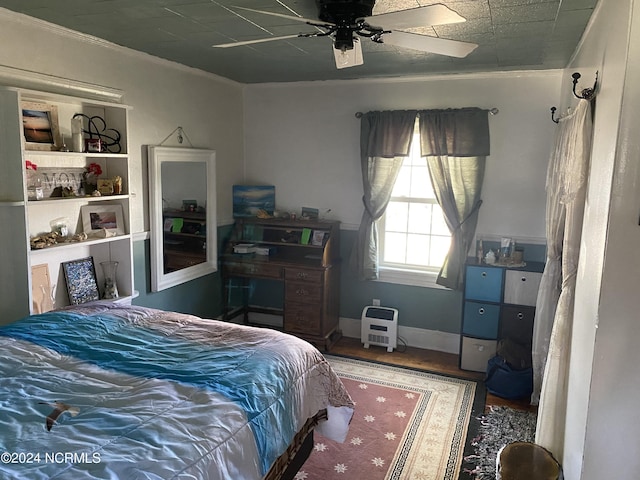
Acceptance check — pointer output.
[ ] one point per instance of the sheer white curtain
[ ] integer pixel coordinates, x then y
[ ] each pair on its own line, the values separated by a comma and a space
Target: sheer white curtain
566, 191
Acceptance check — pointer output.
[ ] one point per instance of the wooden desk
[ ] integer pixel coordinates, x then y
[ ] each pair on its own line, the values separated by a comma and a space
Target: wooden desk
311, 274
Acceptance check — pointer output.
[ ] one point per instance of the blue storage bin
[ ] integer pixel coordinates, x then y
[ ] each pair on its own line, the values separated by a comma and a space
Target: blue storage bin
484, 284
481, 320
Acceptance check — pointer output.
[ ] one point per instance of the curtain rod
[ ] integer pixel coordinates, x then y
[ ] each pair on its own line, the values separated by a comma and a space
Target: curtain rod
492, 111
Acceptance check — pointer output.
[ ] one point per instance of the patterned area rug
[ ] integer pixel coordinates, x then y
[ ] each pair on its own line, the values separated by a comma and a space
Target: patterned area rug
408, 424
500, 426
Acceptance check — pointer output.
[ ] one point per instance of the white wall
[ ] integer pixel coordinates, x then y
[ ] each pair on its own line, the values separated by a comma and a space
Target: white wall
602, 420
163, 96
304, 139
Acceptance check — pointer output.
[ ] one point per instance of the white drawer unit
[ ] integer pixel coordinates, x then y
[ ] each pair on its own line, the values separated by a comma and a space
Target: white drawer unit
476, 352
521, 288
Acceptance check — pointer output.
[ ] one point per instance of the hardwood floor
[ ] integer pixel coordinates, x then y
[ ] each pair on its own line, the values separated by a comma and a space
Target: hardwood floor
437, 362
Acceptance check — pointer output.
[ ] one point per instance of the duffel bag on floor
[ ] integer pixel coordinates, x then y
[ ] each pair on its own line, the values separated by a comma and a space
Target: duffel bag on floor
506, 382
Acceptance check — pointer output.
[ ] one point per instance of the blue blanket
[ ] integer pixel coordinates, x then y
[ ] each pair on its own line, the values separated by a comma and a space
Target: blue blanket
135, 375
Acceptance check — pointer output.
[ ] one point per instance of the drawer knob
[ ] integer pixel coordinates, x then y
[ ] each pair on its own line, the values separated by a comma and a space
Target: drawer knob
481, 311
480, 348
524, 279
520, 315
302, 275
301, 292
484, 274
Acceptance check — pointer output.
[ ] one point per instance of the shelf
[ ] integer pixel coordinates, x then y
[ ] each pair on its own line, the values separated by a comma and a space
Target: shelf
68, 245
287, 244
27, 218
189, 235
283, 224
55, 153
102, 198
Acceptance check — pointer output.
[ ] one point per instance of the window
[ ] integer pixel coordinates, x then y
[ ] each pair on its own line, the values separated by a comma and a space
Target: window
413, 234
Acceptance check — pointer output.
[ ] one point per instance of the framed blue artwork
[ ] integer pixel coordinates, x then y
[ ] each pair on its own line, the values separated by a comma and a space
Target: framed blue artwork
248, 200
80, 276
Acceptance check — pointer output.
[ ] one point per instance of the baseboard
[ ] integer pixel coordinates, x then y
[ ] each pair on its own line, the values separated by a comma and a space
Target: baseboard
413, 337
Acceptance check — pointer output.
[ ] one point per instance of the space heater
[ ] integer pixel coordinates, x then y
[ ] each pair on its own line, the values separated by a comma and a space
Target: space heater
380, 327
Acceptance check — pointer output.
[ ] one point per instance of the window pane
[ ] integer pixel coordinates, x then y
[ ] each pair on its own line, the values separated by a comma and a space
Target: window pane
421, 183
395, 245
395, 218
414, 153
419, 218
439, 226
402, 187
439, 249
418, 250
415, 232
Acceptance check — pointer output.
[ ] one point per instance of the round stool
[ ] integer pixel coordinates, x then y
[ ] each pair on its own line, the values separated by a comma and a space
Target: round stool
526, 461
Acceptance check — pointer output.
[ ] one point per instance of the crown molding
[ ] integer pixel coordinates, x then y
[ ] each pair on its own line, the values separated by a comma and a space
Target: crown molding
556, 72
16, 77
54, 29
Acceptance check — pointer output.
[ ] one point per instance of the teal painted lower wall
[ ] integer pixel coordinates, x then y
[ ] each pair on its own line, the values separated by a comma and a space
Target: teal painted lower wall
419, 307
199, 297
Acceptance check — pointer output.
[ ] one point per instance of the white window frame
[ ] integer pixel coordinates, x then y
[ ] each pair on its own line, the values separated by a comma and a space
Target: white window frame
403, 274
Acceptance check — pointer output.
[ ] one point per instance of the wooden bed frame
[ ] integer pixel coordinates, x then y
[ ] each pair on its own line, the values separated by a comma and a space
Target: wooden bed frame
287, 465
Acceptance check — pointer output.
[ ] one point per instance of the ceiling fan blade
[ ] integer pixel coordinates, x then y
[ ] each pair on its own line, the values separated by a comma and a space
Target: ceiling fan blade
282, 15
415, 17
250, 42
425, 43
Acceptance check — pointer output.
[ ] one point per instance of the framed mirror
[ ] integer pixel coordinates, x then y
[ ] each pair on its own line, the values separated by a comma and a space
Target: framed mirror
182, 199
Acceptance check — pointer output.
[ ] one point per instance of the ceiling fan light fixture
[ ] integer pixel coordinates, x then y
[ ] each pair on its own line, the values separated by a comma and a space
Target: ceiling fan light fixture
343, 39
352, 57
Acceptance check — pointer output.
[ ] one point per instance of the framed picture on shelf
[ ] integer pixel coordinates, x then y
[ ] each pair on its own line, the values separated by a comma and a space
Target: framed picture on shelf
105, 186
98, 218
319, 237
309, 213
80, 276
248, 200
40, 126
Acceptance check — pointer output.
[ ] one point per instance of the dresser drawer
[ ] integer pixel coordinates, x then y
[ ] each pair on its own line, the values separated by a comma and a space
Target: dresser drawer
521, 288
516, 323
475, 353
242, 269
483, 283
301, 292
303, 275
305, 319
481, 320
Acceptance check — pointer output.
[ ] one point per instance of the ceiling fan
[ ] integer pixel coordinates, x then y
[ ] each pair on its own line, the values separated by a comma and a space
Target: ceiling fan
345, 21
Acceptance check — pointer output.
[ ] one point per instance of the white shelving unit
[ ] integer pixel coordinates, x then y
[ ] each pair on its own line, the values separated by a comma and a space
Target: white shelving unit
21, 219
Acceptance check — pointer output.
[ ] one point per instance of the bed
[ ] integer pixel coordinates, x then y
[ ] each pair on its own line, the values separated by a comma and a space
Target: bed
122, 392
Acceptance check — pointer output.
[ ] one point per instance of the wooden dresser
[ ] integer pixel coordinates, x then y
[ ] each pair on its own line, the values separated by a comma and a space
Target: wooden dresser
304, 255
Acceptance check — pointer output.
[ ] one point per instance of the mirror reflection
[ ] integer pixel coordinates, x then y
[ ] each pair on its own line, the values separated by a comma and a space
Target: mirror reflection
184, 219
183, 222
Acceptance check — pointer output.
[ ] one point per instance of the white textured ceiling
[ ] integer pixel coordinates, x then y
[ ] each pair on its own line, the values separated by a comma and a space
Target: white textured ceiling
511, 34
